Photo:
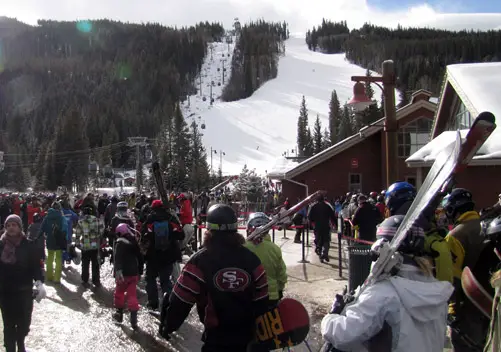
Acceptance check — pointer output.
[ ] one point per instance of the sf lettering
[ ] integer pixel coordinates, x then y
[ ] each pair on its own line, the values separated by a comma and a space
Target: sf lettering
230, 278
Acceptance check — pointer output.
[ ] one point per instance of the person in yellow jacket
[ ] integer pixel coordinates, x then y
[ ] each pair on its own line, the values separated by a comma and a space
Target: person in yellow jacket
466, 245
271, 257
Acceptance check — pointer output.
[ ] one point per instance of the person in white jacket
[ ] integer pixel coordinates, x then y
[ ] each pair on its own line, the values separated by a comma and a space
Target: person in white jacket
406, 311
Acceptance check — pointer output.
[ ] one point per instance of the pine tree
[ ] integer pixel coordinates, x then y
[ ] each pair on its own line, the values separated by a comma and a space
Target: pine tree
249, 186
345, 125
180, 151
368, 88
334, 117
309, 147
326, 139
317, 136
302, 129
199, 169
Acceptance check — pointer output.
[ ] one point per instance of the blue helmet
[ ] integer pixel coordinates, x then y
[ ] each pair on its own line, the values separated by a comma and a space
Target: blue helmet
398, 194
256, 220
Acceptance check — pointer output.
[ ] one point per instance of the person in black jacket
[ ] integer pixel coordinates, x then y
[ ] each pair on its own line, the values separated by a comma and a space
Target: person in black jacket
102, 204
322, 214
121, 216
128, 268
226, 281
366, 218
19, 269
161, 235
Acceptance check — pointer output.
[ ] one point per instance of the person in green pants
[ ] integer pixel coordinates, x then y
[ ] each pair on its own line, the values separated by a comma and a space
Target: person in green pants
54, 227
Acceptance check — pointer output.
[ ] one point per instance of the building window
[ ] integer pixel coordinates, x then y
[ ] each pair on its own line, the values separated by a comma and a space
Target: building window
461, 119
355, 183
413, 136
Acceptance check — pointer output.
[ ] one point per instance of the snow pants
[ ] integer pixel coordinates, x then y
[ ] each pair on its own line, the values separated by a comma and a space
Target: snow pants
16, 310
88, 257
126, 290
154, 270
51, 273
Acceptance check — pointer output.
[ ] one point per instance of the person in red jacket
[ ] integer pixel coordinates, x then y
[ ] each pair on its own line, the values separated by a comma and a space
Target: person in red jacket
185, 212
33, 208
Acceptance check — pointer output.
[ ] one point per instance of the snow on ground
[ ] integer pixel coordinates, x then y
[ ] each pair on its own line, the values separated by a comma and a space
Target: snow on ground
256, 131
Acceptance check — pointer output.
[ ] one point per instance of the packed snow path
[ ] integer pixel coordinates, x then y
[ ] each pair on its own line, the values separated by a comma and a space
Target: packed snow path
256, 131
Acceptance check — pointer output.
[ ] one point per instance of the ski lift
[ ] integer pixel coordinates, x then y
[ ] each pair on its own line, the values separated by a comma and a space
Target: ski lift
228, 54
218, 69
212, 100
219, 84
204, 99
202, 126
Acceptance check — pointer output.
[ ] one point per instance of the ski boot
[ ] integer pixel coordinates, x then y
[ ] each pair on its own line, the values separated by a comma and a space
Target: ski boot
118, 316
133, 320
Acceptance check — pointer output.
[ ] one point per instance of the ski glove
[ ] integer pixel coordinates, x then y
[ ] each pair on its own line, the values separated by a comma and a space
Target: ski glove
119, 276
341, 301
40, 291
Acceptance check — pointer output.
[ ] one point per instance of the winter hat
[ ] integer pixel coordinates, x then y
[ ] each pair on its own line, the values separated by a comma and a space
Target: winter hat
157, 203
14, 218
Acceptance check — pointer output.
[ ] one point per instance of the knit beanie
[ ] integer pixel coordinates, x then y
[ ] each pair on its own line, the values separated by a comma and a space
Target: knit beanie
14, 218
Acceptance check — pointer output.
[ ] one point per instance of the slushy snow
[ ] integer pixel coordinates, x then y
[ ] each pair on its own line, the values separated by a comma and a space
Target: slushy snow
256, 131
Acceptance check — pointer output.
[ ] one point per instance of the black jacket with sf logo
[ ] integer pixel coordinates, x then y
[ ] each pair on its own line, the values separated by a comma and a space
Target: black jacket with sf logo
228, 284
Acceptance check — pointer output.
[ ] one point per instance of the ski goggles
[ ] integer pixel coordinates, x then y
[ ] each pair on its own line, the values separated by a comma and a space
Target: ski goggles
222, 227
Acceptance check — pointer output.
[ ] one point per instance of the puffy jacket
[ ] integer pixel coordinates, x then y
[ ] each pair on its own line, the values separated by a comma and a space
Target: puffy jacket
87, 233
365, 220
322, 215
186, 212
271, 258
71, 218
30, 211
412, 304
127, 256
53, 217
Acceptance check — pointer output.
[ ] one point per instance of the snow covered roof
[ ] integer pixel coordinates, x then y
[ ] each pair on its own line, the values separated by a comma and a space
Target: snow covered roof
281, 167
347, 143
476, 86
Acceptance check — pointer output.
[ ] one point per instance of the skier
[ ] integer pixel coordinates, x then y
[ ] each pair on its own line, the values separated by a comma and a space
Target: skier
121, 216
19, 268
71, 219
299, 219
128, 267
322, 214
372, 198
110, 211
102, 204
88, 240
399, 197
228, 284
466, 245
54, 228
35, 237
380, 205
271, 257
161, 234
405, 311
186, 218
365, 219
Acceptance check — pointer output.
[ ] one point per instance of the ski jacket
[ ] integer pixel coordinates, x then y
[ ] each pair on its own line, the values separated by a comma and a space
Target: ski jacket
53, 217
365, 220
271, 258
322, 214
109, 213
173, 252
102, 205
87, 233
186, 212
35, 237
382, 208
229, 287
117, 220
20, 275
412, 304
30, 211
72, 218
127, 256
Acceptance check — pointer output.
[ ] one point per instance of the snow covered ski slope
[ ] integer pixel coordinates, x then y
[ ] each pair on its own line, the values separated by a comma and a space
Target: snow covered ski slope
256, 131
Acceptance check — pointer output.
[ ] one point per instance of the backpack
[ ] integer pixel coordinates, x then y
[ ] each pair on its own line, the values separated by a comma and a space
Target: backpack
59, 236
161, 229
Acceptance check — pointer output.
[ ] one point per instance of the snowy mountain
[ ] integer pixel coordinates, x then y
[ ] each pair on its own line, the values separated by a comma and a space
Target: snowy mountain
257, 130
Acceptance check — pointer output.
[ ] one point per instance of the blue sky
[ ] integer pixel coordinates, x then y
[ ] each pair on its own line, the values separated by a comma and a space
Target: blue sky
458, 6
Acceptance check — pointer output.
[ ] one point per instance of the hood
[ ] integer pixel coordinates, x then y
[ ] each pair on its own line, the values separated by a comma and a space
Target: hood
54, 214
424, 297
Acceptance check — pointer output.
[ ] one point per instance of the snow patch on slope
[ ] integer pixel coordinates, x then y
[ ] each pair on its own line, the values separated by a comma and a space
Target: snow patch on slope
257, 130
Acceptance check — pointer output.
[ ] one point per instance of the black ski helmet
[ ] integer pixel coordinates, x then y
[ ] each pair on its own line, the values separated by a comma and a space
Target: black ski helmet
222, 217
459, 201
413, 242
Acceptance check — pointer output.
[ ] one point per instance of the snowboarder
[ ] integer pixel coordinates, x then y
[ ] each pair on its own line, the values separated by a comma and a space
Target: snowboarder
226, 281
405, 311
54, 227
271, 257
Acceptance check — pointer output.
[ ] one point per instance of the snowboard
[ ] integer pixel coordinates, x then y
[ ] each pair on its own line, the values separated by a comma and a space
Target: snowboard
285, 326
476, 293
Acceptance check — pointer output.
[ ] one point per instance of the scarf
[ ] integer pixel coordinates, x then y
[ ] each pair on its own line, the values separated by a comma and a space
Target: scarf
10, 243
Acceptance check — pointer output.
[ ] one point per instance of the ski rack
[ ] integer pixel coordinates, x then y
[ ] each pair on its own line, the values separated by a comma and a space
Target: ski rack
280, 216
